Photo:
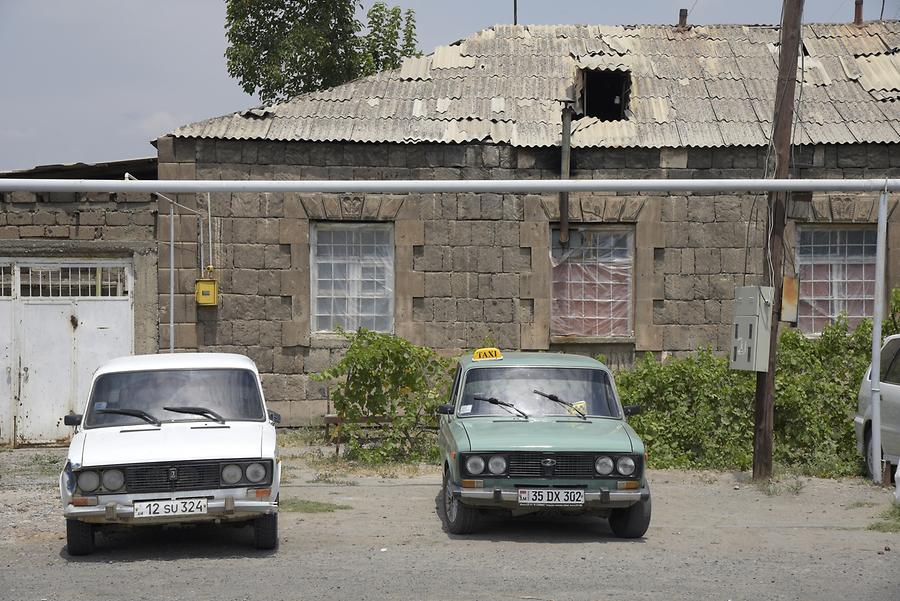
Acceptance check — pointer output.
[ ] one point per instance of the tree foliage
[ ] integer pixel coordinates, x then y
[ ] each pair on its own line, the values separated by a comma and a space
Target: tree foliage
387, 377
279, 49
699, 414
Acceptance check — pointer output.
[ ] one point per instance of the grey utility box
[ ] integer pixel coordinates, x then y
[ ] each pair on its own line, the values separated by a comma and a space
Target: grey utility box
752, 326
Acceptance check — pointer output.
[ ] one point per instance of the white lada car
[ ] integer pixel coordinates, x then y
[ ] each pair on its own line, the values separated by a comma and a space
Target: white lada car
171, 439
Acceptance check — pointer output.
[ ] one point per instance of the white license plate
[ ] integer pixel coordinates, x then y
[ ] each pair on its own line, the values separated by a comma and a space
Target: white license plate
174, 507
551, 496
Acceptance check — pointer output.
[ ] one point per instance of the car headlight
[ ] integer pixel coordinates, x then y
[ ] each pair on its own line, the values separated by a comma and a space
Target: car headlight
475, 465
256, 472
625, 465
604, 465
232, 474
88, 481
113, 479
497, 465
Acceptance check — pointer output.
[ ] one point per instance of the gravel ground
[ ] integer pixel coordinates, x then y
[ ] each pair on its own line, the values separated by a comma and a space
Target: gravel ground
713, 536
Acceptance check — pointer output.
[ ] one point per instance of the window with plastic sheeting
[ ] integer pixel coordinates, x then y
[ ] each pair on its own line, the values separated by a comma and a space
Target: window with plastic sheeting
837, 276
352, 277
593, 281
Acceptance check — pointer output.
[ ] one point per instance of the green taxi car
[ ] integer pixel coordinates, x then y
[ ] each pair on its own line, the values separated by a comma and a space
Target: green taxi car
530, 432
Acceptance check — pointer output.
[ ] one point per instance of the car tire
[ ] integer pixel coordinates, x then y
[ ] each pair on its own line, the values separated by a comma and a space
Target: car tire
265, 531
631, 522
870, 457
79, 537
460, 518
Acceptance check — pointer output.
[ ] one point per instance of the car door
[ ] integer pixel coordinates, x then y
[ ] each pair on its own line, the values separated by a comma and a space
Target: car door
444, 434
890, 405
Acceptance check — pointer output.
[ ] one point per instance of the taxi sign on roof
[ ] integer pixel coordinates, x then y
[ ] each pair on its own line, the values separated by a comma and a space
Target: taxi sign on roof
487, 354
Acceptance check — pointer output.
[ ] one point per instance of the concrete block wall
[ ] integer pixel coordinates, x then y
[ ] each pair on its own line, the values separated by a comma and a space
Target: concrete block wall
469, 268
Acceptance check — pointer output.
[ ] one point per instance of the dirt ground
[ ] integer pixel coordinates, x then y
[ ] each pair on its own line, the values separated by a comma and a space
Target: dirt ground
713, 536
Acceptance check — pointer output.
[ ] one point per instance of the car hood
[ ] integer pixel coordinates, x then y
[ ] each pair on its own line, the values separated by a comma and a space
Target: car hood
548, 434
186, 441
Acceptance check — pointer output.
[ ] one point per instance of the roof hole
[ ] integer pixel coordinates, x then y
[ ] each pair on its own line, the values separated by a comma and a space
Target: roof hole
605, 94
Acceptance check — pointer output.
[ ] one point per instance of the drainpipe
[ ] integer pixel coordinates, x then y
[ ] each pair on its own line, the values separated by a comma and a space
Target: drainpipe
858, 13
564, 171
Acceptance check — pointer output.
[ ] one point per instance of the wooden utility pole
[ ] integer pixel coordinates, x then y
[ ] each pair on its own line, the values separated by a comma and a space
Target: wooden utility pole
773, 255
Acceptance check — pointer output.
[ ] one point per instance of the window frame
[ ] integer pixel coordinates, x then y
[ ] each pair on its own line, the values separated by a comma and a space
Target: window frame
315, 228
799, 263
627, 229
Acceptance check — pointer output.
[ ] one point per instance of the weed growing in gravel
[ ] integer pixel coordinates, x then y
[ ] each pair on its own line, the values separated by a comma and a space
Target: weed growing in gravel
46, 464
780, 485
329, 463
890, 520
331, 478
300, 437
306, 506
860, 504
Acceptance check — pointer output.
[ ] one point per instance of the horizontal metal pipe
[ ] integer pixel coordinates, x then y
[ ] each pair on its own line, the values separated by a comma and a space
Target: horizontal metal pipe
452, 186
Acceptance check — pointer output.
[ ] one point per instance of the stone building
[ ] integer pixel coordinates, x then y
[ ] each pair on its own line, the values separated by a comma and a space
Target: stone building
641, 273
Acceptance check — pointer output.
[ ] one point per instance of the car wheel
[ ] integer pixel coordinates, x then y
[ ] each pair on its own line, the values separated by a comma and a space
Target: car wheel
265, 530
79, 537
870, 457
460, 518
631, 522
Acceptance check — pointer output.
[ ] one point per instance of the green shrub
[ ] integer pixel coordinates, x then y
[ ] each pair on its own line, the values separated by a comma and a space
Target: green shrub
385, 376
699, 414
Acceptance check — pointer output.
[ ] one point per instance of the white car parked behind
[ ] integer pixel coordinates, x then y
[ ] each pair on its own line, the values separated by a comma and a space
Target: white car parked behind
172, 439
890, 409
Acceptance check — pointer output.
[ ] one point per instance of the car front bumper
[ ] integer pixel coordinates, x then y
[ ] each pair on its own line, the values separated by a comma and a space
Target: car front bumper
120, 510
509, 498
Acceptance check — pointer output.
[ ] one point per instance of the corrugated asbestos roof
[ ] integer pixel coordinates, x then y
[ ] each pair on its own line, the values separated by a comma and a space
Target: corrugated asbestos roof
707, 86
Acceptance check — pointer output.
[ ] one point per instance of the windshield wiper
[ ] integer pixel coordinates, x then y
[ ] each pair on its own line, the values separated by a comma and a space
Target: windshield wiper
198, 411
556, 399
132, 413
500, 403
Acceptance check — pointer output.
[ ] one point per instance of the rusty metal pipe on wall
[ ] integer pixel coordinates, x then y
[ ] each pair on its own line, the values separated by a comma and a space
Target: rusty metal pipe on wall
565, 170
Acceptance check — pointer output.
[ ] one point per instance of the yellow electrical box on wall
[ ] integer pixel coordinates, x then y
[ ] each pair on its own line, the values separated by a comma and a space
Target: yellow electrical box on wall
206, 292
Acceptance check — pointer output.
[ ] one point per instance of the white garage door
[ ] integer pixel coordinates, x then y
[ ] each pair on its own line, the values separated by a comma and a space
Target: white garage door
58, 322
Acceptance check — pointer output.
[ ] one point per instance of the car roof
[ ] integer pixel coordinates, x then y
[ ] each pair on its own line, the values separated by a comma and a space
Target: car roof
177, 361
525, 359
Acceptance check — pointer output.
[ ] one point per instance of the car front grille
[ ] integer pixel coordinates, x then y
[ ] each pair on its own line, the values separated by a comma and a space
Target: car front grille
171, 476
528, 465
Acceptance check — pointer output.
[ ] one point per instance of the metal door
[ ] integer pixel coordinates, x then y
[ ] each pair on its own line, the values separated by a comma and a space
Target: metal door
45, 371
68, 318
7, 371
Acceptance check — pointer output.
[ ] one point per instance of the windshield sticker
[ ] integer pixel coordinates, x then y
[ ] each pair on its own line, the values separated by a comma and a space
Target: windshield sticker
463, 409
100, 405
578, 406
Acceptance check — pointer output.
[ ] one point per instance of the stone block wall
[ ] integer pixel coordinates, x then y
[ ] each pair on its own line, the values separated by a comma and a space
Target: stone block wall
469, 268
95, 225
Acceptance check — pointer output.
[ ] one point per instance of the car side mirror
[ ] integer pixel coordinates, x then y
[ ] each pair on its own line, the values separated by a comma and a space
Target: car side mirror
445, 409
274, 417
632, 409
72, 419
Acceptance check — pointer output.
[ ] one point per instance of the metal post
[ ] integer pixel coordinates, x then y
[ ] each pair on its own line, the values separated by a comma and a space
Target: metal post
566, 149
209, 225
515, 12
171, 277
876, 338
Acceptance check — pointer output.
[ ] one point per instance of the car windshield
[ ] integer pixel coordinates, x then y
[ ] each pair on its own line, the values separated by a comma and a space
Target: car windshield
588, 390
206, 394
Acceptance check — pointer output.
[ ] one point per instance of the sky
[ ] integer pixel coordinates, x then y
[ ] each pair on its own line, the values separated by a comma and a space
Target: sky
97, 80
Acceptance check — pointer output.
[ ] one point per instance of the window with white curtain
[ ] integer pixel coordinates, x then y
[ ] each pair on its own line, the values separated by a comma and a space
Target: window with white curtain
837, 276
352, 276
593, 279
